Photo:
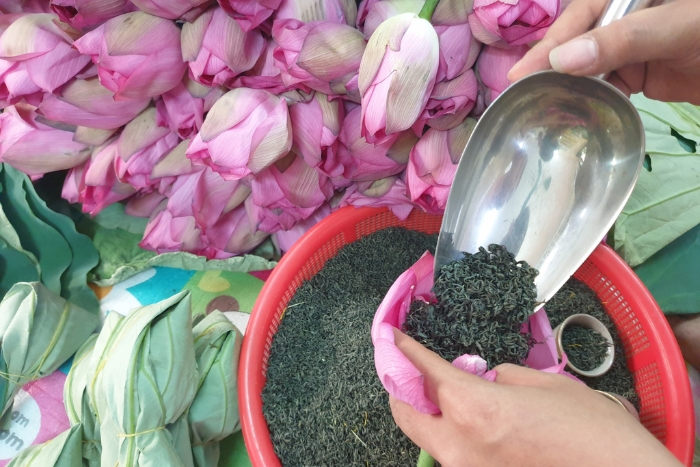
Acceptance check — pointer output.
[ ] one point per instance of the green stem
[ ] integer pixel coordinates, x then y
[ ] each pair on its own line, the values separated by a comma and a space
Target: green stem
425, 459
428, 8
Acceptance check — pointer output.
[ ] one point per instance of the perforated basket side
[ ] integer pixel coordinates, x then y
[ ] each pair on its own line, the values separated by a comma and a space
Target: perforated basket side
652, 352
635, 342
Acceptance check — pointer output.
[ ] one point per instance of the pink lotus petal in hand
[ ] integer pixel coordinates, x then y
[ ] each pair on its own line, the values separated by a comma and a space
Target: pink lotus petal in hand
398, 375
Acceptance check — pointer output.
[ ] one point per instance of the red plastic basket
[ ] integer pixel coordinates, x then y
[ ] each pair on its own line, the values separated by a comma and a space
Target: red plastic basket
651, 349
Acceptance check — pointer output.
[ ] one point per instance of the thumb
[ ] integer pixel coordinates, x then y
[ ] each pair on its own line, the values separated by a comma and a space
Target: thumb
656, 33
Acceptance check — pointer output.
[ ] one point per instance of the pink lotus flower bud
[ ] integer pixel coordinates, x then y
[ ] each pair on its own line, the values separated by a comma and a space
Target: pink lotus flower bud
397, 75
144, 204
169, 9
206, 196
433, 164
364, 161
87, 14
250, 13
92, 136
376, 12
388, 192
512, 22
141, 145
315, 127
307, 11
286, 193
245, 131
233, 235
493, 66
36, 55
23, 6
451, 101
452, 12
88, 103
34, 147
167, 233
264, 74
96, 182
320, 55
285, 239
458, 50
217, 49
137, 55
182, 108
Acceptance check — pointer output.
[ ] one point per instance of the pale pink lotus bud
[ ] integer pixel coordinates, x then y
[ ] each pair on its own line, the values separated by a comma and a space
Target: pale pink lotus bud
321, 55
285, 239
365, 161
182, 108
217, 49
24, 6
96, 181
88, 103
397, 75
144, 204
167, 233
451, 101
307, 11
433, 164
137, 55
35, 148
206, 196
452, 12
169, 9
141, 145
264, 74
286, 193
250, 13
458, 50
245, 131
232, 234
493, 66
315, 126
36, 54
512, 22
388, 192
92, 136
382, 10
175, 163
88, 14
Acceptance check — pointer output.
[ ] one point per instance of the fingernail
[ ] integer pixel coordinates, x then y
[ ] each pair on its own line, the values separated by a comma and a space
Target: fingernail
576, 55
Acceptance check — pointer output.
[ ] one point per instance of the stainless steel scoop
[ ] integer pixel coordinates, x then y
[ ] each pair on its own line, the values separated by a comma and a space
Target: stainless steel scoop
546, 172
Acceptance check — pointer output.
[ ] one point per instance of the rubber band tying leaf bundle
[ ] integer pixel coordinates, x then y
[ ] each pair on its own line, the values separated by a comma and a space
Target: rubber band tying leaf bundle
39, 331
145, 377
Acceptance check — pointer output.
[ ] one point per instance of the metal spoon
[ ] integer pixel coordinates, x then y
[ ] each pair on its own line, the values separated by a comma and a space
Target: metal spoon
546, 172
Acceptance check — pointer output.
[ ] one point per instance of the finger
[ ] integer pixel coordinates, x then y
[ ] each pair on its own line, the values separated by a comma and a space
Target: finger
515, 375
437, 372
578, 18
636, 38
422, 429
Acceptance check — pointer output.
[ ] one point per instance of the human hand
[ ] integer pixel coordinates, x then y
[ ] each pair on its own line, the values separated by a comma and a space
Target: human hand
526, 418
655, 50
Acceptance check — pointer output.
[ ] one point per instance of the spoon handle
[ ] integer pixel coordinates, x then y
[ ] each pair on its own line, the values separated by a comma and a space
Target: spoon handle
616, 9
